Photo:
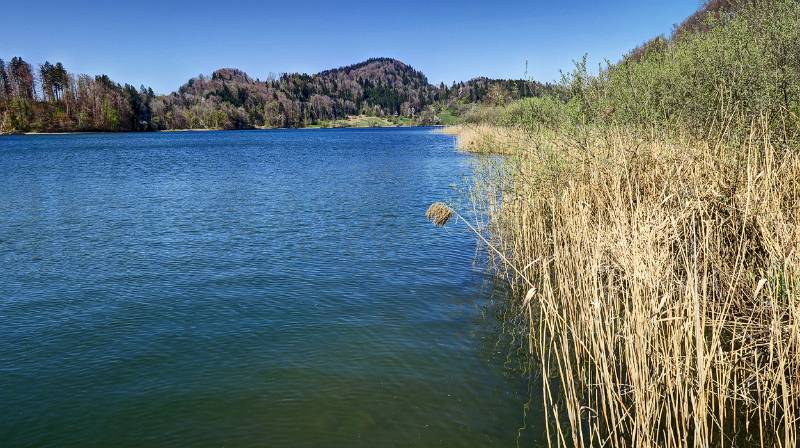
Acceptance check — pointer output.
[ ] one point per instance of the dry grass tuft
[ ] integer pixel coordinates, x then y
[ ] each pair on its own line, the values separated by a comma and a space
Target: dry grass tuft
439, 213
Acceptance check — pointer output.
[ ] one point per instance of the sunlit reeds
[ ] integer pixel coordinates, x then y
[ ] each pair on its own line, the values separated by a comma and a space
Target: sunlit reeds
484, 138
660, 284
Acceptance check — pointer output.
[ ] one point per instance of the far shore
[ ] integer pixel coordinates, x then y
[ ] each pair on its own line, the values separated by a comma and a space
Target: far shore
208, 130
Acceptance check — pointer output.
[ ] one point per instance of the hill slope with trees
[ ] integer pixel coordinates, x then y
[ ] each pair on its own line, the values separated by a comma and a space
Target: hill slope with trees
50, 99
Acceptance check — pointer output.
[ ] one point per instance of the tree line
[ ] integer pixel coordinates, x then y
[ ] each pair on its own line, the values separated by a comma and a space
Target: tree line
48, 98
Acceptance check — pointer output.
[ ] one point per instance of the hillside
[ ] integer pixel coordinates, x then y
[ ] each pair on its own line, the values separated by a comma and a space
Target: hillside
50, 99
380, 87
231, 99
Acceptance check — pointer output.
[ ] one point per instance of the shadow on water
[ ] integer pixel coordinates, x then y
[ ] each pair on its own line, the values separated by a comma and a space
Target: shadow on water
509, 346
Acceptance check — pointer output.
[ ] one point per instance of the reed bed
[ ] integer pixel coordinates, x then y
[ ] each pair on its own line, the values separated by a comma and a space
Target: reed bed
485, 138
648, 218
658, 280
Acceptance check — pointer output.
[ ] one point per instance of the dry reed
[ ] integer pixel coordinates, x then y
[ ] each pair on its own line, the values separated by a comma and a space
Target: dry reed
483, 138
439, 213
661, 285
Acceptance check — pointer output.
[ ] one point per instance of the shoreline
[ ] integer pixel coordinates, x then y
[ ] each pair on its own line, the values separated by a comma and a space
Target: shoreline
226, 130
210, 130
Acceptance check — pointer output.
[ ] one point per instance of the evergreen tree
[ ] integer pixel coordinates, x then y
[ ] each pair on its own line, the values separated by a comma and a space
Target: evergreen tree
21, 76
5, 87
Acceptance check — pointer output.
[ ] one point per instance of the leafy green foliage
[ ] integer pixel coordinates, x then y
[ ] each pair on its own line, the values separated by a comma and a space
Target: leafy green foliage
741, 67
729, 65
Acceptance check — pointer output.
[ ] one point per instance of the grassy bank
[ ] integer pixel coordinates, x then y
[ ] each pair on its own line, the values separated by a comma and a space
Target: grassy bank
486, 138
649, 221
364, 121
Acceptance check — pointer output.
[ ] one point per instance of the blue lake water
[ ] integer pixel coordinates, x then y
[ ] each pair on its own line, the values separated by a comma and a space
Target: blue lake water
255, 288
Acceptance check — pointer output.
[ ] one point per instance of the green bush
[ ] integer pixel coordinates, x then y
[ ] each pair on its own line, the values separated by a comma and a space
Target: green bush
741, 66
744, 66
547, 111
479, 113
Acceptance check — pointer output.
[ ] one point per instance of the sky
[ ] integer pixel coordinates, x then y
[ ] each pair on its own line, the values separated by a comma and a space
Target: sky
164, 43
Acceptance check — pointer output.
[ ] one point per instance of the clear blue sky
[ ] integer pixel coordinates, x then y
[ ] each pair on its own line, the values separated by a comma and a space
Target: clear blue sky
164, 43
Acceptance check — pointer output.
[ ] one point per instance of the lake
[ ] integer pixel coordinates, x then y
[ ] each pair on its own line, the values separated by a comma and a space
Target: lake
253, 288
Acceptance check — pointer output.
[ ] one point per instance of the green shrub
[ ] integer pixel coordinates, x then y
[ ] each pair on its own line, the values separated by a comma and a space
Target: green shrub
713, 80
743, 67
479, 113
547, 111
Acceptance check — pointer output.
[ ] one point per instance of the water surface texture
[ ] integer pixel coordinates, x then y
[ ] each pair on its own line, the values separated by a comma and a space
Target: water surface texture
257, 288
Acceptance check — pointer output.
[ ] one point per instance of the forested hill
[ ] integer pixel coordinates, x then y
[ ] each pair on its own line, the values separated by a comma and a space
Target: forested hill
50, 99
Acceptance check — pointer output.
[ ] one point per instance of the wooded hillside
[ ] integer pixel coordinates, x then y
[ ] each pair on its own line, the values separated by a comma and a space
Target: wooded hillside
50, 99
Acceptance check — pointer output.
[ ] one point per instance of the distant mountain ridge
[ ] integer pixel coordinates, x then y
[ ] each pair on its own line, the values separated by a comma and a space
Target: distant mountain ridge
376, 87
51, 100
387, 67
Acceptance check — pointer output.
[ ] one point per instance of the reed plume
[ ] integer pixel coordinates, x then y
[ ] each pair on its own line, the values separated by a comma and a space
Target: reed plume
439, 213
